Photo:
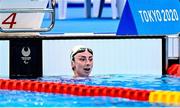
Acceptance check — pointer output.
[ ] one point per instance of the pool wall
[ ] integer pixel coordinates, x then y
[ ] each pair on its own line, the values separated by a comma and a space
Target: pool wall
50, 56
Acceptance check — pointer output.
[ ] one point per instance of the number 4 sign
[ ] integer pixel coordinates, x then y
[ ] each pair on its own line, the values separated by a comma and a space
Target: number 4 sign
10, 20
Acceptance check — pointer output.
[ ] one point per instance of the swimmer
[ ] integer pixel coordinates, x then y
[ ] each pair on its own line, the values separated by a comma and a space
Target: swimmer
81, 61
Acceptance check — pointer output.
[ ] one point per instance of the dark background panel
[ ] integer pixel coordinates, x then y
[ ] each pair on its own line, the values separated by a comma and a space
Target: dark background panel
25, 58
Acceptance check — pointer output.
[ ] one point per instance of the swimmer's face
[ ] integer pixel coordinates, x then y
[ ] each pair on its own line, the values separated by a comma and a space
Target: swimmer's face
82, 64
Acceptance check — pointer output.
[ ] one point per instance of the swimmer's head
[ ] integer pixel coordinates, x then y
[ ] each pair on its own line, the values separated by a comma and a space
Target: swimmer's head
81, 61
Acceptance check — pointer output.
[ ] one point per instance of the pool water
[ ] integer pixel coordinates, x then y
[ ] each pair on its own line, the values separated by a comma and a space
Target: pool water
36, 99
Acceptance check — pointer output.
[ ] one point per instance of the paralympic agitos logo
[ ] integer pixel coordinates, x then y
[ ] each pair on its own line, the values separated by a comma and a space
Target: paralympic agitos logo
26, 54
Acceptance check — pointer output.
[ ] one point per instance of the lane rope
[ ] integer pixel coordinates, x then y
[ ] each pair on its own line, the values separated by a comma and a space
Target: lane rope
152, 96
174, 70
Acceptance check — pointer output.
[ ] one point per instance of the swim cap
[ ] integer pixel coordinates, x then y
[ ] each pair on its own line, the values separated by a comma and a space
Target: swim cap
79, 49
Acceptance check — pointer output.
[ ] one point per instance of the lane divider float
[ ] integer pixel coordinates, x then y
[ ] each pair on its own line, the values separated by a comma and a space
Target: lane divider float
174, 70
152, 96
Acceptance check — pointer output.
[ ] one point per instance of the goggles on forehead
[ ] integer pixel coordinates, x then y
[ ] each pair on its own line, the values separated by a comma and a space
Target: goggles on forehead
79, 50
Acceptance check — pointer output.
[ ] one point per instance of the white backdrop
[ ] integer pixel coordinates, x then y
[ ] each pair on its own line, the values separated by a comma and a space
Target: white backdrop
122, 56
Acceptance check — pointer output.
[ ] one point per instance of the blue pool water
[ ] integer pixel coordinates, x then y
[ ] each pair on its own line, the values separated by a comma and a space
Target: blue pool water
35, 99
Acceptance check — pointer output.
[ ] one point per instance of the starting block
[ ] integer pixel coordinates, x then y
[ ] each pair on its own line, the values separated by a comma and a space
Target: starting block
23, 16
